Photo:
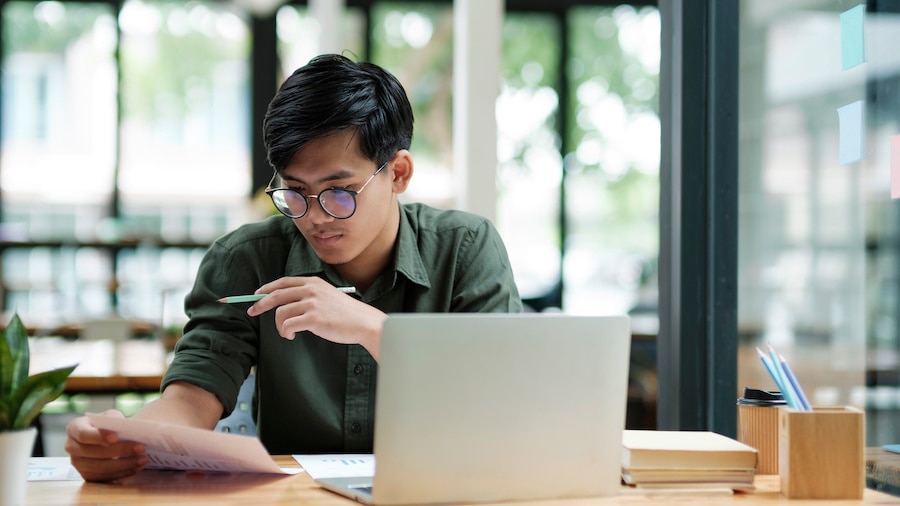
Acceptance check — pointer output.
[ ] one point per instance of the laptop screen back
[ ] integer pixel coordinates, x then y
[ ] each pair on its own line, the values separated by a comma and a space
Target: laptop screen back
498, 407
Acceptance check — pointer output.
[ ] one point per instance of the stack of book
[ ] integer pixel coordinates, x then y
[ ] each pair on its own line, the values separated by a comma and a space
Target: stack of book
656, 459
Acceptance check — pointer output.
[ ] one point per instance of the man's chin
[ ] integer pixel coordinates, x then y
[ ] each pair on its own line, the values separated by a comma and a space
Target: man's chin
332, 257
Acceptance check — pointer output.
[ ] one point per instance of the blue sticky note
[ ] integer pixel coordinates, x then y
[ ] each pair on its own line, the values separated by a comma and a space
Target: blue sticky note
895, 448
852, 133
895, 167
853, 43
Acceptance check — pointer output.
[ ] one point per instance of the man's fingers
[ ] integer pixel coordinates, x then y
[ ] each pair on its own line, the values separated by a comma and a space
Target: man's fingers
121, 450
109, 469
81, 431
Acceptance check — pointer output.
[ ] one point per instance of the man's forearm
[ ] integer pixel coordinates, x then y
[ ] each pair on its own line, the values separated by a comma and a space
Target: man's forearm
184, 404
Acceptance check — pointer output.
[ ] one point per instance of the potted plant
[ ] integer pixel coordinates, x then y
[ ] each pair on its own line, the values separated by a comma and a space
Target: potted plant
21, 399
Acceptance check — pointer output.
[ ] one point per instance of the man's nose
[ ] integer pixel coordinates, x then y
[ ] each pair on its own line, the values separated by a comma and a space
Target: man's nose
316, 213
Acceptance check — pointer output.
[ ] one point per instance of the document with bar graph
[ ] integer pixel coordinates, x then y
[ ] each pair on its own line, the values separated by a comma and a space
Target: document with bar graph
337, 465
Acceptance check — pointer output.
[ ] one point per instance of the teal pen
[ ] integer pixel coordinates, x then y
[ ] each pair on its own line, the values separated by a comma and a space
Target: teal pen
787, 389
234, 299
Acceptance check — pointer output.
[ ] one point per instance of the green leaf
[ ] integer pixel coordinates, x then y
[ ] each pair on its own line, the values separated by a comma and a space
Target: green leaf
6, 370
17, 337
22, 397
5, 421
37, 391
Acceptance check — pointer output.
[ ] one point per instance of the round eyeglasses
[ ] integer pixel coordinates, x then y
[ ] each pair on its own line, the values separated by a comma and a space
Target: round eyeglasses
338, 203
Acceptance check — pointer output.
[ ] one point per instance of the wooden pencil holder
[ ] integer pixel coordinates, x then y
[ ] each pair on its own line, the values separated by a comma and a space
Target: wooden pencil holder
821, 453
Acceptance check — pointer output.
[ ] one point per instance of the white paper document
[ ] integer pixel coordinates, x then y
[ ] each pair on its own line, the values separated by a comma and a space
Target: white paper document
52, 469
337, 465
186, 448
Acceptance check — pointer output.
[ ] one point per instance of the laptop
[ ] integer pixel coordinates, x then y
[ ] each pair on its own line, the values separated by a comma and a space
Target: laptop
484, 407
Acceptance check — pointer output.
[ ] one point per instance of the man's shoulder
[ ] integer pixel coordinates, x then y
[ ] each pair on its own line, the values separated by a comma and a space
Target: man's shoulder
423, 217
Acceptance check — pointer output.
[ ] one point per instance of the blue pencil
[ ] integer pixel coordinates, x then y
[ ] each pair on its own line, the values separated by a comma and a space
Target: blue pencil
774, 374
804, 402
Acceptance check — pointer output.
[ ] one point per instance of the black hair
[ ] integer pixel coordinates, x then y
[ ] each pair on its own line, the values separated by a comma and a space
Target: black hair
331, 94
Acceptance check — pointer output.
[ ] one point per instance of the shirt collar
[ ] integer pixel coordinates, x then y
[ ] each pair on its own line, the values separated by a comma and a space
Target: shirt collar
408, 259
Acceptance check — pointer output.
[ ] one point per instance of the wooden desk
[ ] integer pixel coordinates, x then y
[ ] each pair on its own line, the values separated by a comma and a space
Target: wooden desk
179, 488
883, 470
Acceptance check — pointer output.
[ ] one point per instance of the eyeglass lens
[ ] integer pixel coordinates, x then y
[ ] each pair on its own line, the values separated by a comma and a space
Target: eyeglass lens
337, 203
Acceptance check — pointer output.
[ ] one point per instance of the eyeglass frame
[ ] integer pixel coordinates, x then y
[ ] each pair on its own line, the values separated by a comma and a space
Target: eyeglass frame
270, 192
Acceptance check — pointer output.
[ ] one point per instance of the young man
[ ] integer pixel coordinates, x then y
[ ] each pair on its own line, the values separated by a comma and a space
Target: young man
338, 135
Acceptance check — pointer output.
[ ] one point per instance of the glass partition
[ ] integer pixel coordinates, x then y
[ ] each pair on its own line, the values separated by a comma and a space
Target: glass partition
818, 242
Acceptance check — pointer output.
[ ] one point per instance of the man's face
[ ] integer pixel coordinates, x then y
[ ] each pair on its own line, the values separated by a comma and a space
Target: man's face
335, 162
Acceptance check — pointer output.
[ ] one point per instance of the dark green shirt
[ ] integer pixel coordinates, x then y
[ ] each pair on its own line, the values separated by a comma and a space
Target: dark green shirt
315, 396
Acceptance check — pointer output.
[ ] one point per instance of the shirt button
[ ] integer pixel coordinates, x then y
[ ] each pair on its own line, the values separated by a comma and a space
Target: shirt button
355, 427
358, 369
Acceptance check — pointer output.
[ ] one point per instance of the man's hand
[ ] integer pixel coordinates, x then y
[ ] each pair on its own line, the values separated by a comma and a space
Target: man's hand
98, 455
311, 303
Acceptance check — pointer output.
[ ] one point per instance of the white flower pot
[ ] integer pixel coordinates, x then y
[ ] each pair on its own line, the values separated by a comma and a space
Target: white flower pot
15, 449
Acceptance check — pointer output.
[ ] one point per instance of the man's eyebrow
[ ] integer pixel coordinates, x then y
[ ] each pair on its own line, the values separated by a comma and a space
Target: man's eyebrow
341, 174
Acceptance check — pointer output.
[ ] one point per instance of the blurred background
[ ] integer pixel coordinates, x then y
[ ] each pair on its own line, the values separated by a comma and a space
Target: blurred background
127, 145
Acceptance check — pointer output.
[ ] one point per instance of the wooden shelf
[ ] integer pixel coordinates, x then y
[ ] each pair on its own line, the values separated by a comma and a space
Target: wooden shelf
112, 384
121, 244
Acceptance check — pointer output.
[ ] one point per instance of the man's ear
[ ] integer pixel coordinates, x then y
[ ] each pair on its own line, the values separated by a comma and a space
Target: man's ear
401, 167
